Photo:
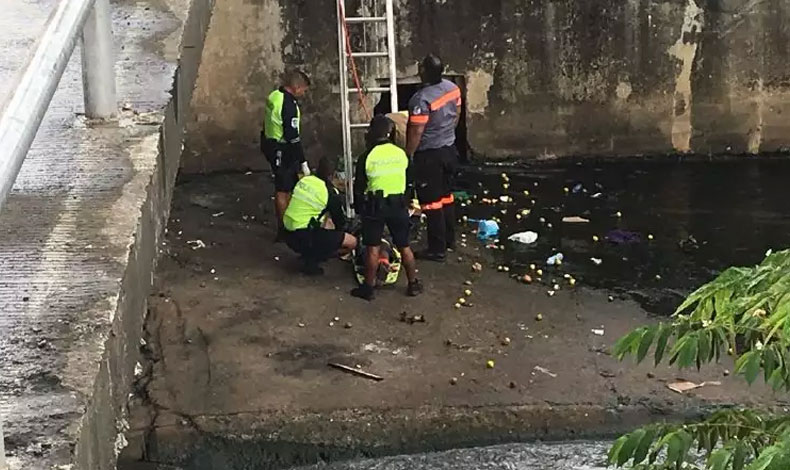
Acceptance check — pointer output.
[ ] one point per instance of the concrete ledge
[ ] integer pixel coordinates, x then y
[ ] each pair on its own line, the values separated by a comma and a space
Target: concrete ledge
80, 237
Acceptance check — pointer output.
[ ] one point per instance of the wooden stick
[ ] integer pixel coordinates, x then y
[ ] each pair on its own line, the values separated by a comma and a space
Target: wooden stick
355, 371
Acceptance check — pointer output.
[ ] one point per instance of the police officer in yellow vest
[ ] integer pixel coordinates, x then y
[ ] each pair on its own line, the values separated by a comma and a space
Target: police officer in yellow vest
382, 191
281, 140
314, 198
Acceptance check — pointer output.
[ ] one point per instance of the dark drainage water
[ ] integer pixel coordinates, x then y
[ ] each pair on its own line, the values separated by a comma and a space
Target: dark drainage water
662, 227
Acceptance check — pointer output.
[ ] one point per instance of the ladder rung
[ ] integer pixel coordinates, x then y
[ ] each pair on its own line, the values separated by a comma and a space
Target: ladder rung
360, 125
373, 89
366, 19
370, 54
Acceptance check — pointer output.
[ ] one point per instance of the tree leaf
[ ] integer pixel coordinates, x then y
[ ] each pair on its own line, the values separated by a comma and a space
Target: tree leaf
665, 331
640, 454
749, 366
739, 456
628, 448
688, 354
644, 344
765, 459
675, 450
614, 452
625, 345
719, 459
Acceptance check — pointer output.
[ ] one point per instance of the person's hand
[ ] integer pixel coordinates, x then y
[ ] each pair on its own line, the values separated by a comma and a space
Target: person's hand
305, 169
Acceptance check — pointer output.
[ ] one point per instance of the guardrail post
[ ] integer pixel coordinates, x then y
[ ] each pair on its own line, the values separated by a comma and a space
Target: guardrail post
98, 63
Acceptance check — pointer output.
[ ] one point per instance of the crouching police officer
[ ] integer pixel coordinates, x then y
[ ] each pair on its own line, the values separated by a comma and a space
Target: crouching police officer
313, 198
381, 198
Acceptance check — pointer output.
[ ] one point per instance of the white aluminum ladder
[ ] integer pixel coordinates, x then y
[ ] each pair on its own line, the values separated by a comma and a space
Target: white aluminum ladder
346, 90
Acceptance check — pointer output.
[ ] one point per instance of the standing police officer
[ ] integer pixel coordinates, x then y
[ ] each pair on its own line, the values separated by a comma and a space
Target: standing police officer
382, 192
281, 141
434, 112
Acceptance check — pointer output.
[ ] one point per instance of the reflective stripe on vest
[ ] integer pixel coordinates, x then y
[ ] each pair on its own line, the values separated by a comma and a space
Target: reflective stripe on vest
273, 116
308, 201
386, 169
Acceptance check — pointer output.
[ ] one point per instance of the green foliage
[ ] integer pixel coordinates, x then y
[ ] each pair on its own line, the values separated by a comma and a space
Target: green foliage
745, 312
744, 308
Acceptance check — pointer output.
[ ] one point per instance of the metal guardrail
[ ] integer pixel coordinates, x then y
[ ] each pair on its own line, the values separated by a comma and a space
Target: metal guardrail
29, 101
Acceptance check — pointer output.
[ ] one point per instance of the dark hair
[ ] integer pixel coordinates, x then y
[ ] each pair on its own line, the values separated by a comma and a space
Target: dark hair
295, 78
432, 69
380, 130
326, 168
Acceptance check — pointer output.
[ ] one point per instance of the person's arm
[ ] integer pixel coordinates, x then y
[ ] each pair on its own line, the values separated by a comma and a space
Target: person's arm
335, 207
291, 128
360, 180
419, 113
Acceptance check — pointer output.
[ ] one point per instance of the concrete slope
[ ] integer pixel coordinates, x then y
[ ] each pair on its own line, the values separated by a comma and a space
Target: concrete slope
78, 237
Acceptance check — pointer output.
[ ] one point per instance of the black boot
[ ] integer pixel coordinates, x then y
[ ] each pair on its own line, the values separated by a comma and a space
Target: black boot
415, 288
365, 292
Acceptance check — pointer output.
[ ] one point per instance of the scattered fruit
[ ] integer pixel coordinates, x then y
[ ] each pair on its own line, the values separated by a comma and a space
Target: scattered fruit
506, 268
467, 292
454, 381
539, 272
457, 306
619, 214
572, 281
539, 317
462, 301
650, 236
505, 341
527, 279
532, 267
490, 364
595, 238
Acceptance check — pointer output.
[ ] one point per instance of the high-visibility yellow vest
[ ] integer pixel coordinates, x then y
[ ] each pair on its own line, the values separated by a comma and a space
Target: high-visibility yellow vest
273, 116
308, 202
386, 169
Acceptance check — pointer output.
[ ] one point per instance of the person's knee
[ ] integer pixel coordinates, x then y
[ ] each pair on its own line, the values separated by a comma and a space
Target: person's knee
349, 242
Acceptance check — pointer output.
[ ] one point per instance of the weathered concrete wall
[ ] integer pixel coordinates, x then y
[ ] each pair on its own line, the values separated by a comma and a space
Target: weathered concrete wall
545, 77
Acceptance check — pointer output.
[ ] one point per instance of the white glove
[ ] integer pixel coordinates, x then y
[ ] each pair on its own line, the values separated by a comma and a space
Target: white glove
305, 169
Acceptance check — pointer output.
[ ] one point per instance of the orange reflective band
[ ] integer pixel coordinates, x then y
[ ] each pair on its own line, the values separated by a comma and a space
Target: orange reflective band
419, 119
448, 199
434, 206
454, 95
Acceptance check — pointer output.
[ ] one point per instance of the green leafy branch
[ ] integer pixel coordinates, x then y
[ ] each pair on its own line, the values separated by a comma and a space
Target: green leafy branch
731, 439
744, 312
744, 309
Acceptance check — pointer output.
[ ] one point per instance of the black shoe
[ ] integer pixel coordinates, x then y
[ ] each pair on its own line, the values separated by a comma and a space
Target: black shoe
364, 292
431, 256
451, 246
312, 269
415, 288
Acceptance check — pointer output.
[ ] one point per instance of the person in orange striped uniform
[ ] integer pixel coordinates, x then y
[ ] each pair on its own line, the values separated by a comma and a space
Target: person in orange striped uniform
434, 112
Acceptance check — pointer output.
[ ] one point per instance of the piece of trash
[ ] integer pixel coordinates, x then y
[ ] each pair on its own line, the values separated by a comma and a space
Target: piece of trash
543, 370
477, 267
596, 261
300, 325
551, 293
277, 258
527, 238
411, 319
505, 341
248, 173
623, 237
461, 196
684, 386
196, 244
575, 220
596, 195
577, 188
689, 244
356, 371
218, 214
555, 260
598, 331
487, 229
505, 198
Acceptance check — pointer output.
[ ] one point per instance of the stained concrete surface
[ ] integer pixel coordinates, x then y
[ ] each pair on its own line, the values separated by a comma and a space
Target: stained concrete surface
80, 230
542, 78
238, 346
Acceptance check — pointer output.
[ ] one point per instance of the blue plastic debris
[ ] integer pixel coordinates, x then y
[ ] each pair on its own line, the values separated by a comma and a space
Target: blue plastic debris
555, 260
487, 229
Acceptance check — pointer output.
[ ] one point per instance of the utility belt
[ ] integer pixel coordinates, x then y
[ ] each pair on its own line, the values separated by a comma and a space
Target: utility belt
377, 203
